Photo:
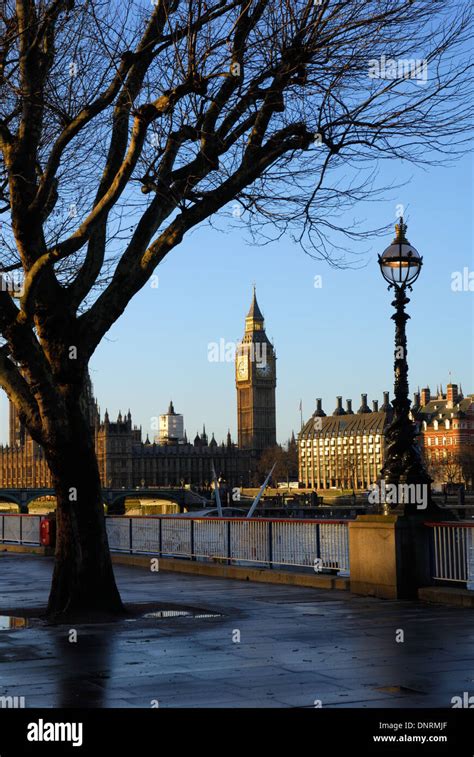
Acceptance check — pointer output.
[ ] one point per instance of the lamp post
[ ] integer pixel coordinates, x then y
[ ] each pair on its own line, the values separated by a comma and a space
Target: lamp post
400, 265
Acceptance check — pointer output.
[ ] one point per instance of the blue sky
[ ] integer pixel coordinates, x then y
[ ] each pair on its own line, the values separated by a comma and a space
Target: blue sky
337, 339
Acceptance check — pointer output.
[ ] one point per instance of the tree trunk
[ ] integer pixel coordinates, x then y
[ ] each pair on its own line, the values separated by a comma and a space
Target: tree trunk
83, 579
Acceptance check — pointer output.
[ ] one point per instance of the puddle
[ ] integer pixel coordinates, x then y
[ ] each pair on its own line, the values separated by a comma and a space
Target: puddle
7, 622
397, 689
182, 613
176, 614
12, 622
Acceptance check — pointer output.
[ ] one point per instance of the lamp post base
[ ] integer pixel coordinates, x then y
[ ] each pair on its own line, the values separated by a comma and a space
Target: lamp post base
390, 556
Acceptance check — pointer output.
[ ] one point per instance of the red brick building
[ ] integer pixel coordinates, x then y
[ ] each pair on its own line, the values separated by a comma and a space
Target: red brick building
447, 434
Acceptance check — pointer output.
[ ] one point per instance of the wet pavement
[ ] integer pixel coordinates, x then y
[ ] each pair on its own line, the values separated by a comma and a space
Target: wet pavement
269, 646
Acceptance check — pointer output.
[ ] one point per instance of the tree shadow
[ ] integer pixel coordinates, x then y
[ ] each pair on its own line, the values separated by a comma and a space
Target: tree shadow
87, 666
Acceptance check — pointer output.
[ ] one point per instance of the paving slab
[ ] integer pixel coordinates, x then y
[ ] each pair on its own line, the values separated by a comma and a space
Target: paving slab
271, 646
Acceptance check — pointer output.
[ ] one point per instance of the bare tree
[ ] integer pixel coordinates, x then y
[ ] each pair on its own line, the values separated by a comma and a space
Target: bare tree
466, 462
447, 467
284, 460
349, 473
125, 125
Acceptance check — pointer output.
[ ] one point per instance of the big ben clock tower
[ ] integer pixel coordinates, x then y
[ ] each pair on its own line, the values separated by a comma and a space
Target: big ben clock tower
255, 378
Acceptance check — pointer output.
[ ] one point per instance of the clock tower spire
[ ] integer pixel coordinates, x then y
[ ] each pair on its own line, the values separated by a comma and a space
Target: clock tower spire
255, 378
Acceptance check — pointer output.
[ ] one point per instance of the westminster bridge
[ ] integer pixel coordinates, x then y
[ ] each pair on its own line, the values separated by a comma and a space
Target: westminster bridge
113, 498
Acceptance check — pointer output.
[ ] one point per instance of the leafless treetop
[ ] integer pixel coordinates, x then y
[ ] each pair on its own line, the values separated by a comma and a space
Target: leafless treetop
125, 124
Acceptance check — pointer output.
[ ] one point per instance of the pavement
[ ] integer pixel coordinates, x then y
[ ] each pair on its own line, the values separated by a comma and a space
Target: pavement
270, 646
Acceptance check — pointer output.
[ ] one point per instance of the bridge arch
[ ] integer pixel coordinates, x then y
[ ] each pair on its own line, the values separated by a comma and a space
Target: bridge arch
115, 499
6, 498
23, 497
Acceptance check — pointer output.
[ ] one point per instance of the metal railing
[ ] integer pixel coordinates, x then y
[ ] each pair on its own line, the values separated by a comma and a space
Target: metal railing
20, 529
317, 544
453, 552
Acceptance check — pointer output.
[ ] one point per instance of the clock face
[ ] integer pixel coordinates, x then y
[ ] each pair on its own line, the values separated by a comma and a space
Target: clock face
242, 368
264, 370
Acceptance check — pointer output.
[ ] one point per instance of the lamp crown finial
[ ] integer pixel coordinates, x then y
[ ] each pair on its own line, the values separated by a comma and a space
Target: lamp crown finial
400, 229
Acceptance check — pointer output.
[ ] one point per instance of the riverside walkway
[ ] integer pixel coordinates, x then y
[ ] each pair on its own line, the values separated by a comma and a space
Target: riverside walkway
266, 646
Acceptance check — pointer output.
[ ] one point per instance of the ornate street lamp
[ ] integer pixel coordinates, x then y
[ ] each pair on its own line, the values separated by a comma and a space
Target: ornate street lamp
400, 265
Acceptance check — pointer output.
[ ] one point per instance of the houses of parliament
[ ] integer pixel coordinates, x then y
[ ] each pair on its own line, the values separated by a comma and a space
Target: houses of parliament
125, 460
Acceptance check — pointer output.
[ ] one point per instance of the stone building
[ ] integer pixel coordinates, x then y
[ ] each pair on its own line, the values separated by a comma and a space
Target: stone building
255, 381
171, 428
22, 461
447, 434
125, 460
344, 450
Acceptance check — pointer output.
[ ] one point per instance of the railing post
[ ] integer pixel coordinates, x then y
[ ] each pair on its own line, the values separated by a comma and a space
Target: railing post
318, 540
160, 538
432, 553
191, 520
3, 528
21, 529
270, 543
130, 536
229, 553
